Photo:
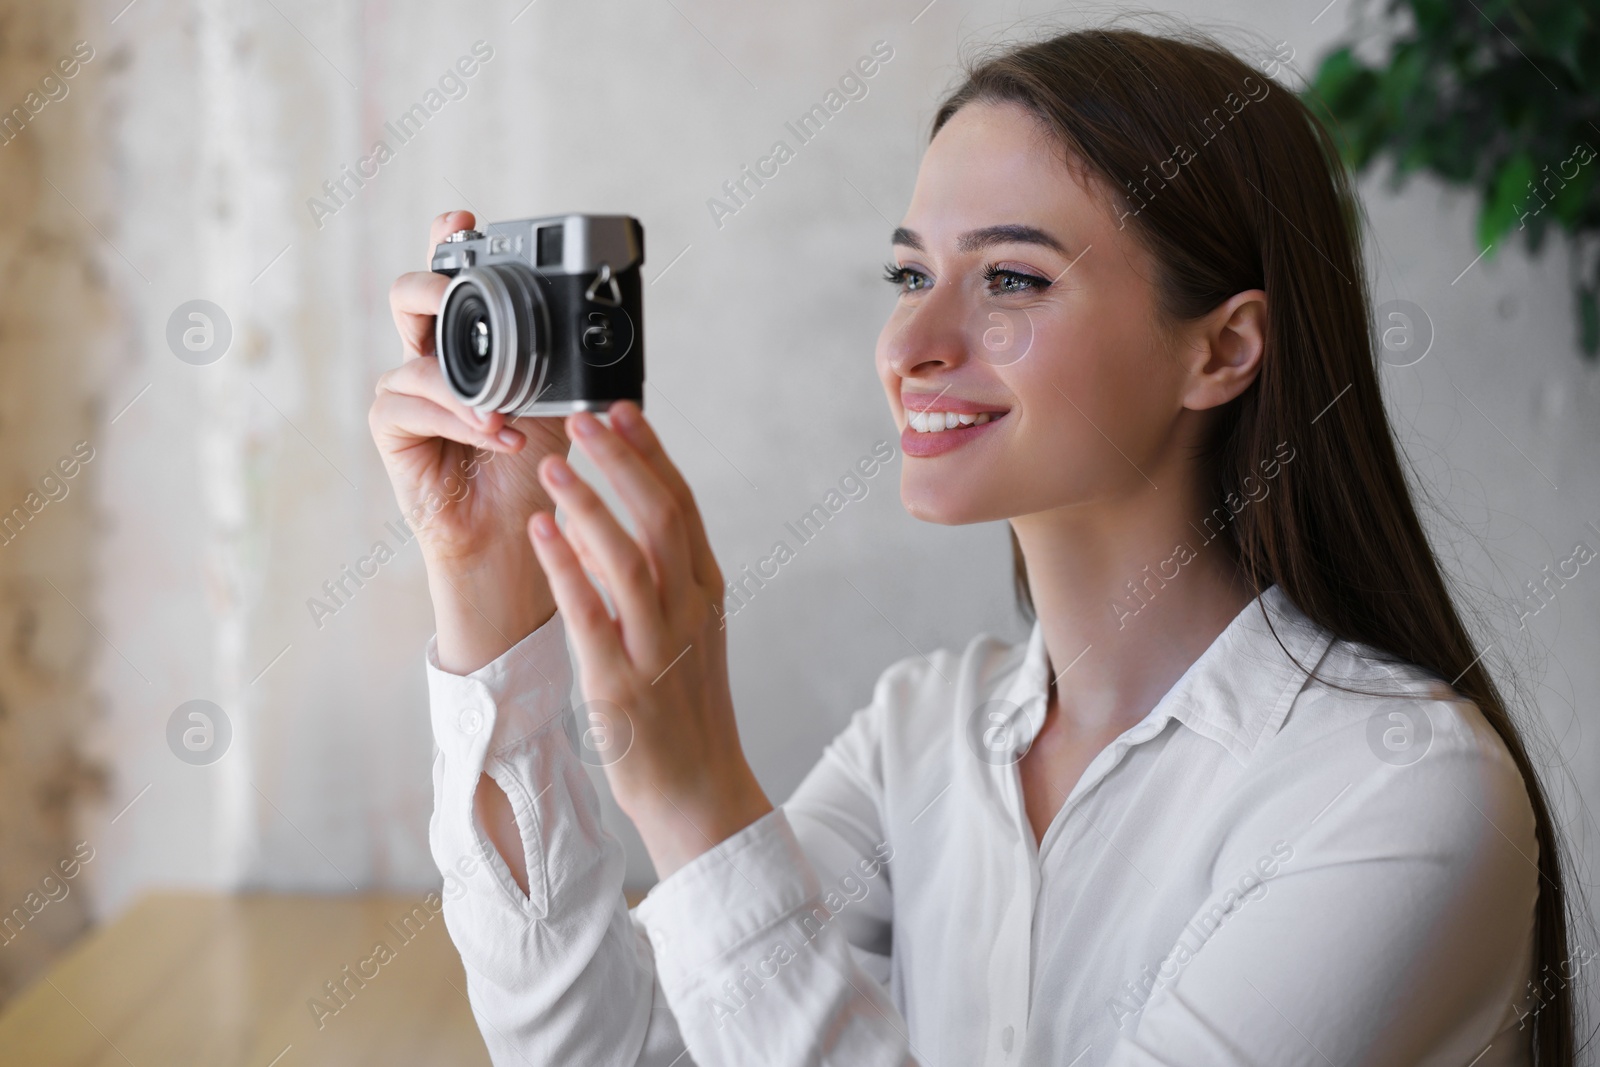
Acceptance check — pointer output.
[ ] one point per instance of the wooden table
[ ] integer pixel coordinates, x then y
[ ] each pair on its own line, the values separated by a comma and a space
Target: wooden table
210, 980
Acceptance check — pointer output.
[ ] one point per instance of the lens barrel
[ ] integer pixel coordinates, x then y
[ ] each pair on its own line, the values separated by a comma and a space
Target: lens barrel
493, 336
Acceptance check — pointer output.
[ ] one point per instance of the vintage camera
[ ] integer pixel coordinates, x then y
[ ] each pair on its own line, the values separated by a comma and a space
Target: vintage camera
543, 316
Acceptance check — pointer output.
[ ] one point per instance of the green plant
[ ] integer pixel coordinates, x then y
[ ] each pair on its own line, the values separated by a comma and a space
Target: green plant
1495, 95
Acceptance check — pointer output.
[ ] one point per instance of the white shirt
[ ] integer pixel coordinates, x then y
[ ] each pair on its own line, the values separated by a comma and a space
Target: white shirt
1262, 871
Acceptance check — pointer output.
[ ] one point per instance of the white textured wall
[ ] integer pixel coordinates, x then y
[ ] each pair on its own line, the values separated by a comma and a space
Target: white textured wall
228, 493
56, 325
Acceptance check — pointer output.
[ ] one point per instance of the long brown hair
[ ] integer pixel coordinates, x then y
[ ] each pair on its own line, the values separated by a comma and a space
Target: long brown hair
1259, 199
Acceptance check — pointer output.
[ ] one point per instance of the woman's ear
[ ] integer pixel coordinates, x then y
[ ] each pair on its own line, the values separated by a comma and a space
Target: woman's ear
1224, 350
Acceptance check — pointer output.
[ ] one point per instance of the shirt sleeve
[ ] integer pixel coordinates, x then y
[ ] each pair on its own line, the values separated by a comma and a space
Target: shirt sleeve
744, 955
562, 974
1385, 920
773, 947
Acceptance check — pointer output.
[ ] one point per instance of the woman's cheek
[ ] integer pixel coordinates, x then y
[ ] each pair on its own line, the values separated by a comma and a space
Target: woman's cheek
1091, 372
1078, 403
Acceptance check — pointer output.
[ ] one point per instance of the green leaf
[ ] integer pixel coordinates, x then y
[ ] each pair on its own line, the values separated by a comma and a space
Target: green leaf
1343, 96
1570, 198
1508, 198
1433, 16
1344, 84
1404, 75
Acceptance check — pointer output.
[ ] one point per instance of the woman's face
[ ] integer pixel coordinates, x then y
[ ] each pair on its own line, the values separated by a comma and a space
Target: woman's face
1025, 310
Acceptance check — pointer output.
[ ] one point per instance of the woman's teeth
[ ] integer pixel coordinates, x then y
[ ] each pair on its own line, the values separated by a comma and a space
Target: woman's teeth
934, 421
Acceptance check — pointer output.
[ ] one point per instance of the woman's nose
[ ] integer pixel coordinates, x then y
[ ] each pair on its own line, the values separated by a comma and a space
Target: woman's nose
928, 335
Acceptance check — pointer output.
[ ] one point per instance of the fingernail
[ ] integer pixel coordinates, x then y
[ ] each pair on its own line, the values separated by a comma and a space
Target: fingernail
559, 472
624, 415
483, 417
508, 437
543, 525
585, 424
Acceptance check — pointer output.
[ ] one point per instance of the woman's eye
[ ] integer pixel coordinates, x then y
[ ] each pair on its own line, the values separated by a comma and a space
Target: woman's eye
1013, 281
907, 279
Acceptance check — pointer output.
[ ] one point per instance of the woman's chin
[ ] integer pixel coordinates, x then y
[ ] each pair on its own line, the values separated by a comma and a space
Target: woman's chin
938, 504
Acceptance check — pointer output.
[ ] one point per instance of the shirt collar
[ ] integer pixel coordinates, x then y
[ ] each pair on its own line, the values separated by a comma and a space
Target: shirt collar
1238, 690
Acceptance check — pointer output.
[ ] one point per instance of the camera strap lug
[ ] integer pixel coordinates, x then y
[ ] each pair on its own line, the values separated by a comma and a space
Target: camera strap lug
591, 294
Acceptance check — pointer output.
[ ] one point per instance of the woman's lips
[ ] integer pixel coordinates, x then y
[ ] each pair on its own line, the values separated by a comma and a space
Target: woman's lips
938, 442
943, 401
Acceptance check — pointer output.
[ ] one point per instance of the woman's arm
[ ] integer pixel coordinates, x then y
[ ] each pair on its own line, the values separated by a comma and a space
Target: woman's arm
560, 972
556, 971
552, 959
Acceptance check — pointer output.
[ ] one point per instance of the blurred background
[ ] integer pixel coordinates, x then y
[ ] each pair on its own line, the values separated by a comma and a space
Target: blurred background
224, 151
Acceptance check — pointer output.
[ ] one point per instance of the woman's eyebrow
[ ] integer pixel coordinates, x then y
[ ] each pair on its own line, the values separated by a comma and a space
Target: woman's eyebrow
973, 240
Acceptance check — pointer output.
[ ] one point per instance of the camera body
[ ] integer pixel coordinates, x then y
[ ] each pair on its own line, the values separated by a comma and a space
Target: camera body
543, 316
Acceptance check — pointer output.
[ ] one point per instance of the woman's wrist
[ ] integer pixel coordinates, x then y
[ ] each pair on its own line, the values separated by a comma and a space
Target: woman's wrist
485, 605
678, 829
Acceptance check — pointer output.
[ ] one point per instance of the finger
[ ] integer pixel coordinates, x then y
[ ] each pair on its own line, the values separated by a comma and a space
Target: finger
425, 378
630, 423
621, 566
414, 301
656, 511
585, 554
595, 637
414, 297
399, 421
446, 224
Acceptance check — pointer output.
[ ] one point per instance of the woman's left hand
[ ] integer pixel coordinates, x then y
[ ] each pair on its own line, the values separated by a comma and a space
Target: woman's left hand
655, 676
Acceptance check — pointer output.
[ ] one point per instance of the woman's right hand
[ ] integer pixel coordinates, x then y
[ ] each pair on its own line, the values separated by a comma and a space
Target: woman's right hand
466, 484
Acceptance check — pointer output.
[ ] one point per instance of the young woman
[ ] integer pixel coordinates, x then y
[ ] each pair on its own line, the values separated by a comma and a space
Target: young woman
1246, 795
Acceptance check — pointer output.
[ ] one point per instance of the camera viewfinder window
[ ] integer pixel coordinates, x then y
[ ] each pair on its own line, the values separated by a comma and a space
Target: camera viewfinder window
549, 247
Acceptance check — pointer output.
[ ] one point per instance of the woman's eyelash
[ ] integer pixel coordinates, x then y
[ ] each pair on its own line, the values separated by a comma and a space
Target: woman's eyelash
1030, 281
898, 275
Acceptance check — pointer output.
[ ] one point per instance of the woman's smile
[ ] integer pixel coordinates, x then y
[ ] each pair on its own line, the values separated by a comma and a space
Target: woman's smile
937, 423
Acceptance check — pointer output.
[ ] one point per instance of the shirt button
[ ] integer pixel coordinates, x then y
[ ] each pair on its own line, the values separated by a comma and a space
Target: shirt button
470, 721
1006, 1036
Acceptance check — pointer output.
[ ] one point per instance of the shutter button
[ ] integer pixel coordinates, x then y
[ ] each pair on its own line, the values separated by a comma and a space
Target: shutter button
471, 720
1005, 1038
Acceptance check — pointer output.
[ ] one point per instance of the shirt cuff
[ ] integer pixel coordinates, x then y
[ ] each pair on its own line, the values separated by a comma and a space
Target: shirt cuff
503, 702
753, 881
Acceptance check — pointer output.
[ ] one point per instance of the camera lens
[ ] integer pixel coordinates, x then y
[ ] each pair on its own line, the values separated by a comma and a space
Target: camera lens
492, 336
469, 337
